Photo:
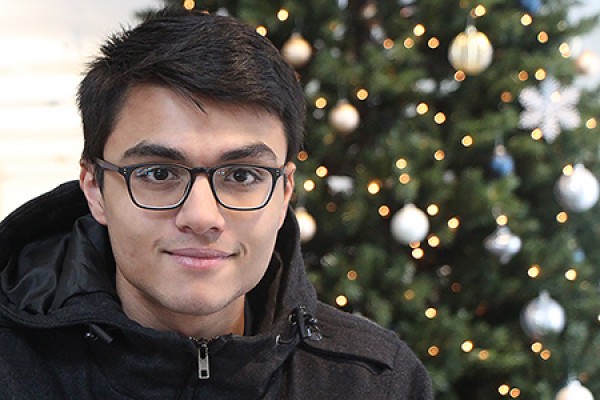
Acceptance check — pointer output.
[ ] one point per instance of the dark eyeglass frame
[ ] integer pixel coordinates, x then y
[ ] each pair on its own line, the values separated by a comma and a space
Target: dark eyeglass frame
127, 170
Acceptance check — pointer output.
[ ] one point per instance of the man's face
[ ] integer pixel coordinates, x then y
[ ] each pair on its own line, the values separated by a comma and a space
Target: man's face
199, 259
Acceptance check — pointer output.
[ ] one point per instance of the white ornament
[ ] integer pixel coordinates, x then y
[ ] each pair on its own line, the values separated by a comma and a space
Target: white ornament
344, 117
543, 315
340, 184
578, 191
574, 391
409, 225
297, 51
471, 51
503, 243
549, 108
306, 223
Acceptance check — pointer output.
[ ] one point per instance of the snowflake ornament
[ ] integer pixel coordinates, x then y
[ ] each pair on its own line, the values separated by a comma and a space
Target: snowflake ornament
549, 108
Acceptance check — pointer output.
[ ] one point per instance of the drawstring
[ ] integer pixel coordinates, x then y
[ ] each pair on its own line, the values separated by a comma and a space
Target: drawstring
305, 325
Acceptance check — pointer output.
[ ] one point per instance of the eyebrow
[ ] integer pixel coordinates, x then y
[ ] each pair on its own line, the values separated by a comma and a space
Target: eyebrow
254, 150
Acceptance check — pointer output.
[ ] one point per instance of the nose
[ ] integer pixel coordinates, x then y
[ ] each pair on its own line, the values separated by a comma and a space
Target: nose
200, 213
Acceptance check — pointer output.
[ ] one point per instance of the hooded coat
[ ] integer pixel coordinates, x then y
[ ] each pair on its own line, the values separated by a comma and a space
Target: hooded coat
64, 335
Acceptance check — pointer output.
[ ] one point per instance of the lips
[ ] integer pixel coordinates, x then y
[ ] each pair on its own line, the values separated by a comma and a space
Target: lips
199, 259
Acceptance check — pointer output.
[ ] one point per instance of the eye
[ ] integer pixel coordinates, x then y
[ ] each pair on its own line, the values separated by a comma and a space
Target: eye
243, 175
158, 173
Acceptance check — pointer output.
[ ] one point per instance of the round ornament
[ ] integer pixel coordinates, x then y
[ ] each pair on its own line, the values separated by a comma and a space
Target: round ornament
306, 223
574, 391
541, 316
409, 225
344, 117
297, 51
339, 184
502, 163
471, 51
578, 191
503, 244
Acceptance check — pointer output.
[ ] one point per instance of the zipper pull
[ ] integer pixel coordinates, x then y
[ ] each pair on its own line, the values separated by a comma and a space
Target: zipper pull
203, 365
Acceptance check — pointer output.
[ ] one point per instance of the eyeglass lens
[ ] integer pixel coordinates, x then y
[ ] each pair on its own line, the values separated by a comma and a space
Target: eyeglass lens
234, 186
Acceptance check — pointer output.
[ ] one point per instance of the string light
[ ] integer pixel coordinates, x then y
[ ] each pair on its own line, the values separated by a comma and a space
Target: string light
545, 354
374, 187
568, 170
322, 171
542, 37
536, 134
453, 223
565, 50
433, 209
418, 253
401, 163
262, 30
534, 271
484, 355
384, 211
419, 30
439, 155
341, 300
467, 346
502, 220
526, 20
352, 275
506, 97
388, 44
523, 76
433, 241
433, 43
189, 4
536, 347
571, 275
309, 185
321, 103
404, 179
460, 76
503, 389
409, 43
362, 94
409, 295
431, 313
467, 141
540, 74
302, 155
439, 118
283, 14
591, 123
422, 108
433, 351
562, 217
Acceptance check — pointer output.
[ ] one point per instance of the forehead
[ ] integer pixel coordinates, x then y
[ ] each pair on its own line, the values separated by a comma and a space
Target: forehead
154, 116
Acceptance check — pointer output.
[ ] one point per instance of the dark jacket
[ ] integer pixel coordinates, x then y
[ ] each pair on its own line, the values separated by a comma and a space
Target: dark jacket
63, 334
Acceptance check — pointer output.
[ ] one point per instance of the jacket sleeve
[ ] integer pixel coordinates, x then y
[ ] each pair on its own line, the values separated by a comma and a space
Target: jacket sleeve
410, 380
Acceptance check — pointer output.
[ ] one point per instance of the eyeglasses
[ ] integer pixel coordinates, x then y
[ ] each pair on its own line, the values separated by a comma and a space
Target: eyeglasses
156, 186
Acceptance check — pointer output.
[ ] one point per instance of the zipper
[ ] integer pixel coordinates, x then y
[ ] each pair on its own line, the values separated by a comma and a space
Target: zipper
203, 363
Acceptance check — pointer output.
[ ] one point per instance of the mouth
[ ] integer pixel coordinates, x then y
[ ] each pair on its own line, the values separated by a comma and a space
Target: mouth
200, 259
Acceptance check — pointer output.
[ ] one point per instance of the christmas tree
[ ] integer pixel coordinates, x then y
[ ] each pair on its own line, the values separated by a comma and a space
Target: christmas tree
447, 185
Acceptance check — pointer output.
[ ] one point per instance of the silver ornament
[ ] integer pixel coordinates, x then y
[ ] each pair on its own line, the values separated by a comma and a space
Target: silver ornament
543, 315
574, 391
409, 225
503, 244
578, 191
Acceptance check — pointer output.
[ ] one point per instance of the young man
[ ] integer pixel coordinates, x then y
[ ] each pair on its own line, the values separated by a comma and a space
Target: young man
172, 269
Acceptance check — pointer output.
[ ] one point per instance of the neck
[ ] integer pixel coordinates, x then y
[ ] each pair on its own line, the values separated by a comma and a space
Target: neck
198, 324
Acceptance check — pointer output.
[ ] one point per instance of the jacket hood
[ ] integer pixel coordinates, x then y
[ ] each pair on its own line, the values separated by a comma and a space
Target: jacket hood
53, 251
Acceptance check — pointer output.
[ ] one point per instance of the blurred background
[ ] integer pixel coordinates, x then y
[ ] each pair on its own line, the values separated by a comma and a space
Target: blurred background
448, 187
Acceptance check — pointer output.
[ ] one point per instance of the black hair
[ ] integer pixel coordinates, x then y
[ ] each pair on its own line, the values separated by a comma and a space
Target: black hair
199, 55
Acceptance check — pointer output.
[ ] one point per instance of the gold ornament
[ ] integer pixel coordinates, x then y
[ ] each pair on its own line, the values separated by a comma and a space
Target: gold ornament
471, 51
344, 117
297, 51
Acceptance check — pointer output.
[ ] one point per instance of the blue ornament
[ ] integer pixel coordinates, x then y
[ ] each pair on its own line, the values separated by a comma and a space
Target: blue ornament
531, 6
502, 163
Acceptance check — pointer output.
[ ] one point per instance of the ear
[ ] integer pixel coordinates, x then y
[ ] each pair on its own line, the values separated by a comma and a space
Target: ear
288, 188
91, 189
